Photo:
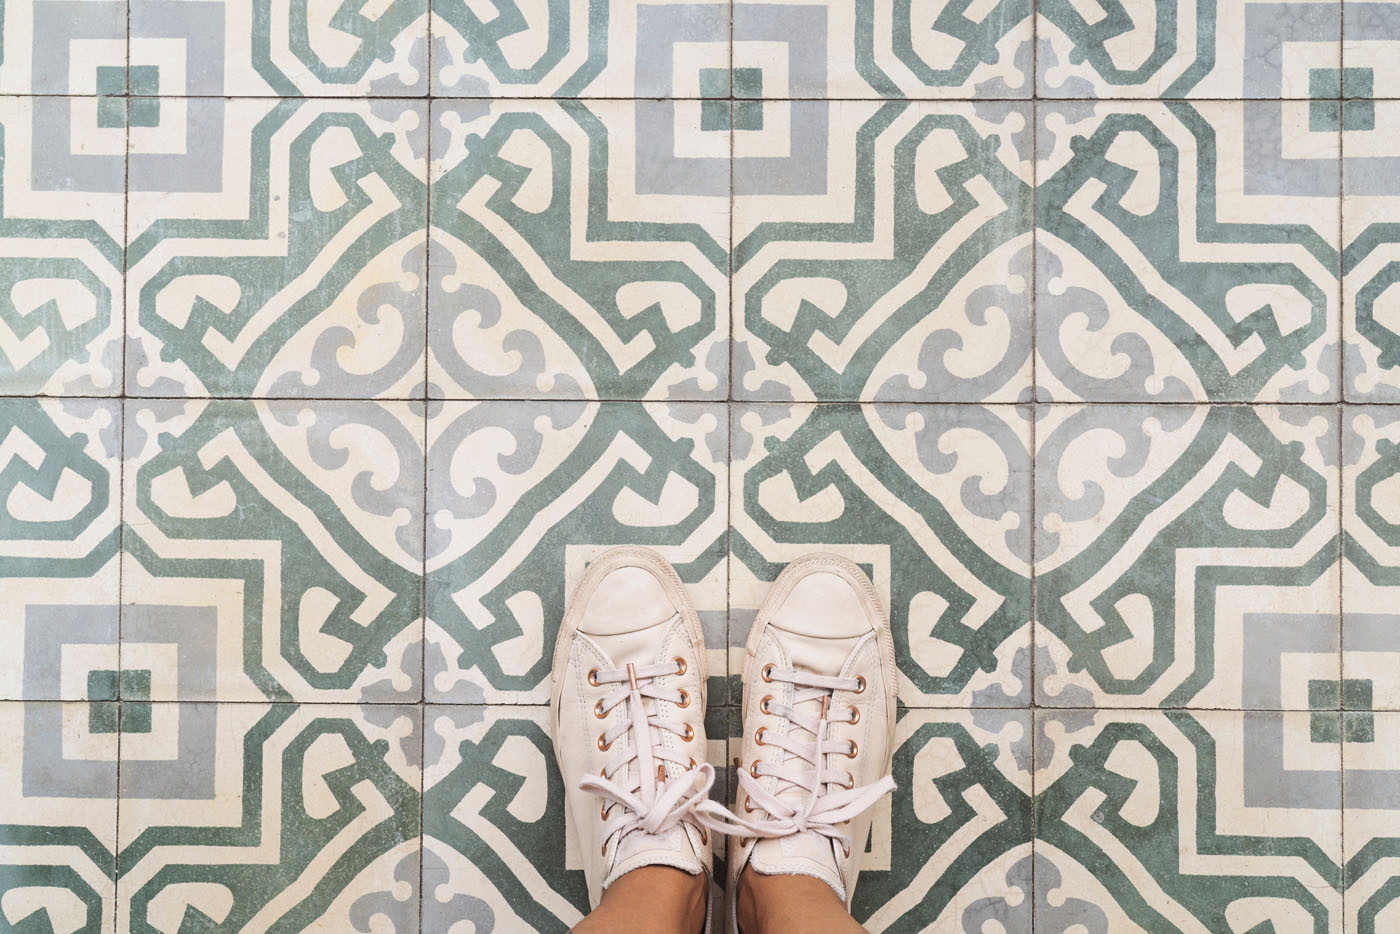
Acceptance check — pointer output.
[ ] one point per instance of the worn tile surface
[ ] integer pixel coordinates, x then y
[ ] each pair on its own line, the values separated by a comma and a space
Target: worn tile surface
336, 339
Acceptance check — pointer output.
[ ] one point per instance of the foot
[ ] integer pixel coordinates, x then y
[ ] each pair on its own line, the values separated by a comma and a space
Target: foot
819, 703
628, 716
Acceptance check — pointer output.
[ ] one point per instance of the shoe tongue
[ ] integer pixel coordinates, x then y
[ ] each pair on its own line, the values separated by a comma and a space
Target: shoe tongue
639, 848
806, 854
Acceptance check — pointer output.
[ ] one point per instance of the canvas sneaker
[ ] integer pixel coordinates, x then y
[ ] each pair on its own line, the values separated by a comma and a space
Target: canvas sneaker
819, 711
628, 717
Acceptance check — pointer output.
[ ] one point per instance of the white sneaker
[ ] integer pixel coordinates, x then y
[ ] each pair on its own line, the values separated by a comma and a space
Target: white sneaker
819, 712
628, 716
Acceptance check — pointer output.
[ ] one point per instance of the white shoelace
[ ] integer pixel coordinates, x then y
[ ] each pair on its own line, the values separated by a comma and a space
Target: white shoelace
822, 809
654, 801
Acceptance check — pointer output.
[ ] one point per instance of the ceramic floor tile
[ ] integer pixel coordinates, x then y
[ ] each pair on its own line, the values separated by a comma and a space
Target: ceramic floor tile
1180, 821
882, 251
943, 534
1371, 259
273, 550
58, 816
605, 48
277, 248
1187, 556
258, 816
579, 250
1189, 48
1371, 572
60, 471
337, 339
1371, 827
61, 244
1165, 268
522, 495
495, 845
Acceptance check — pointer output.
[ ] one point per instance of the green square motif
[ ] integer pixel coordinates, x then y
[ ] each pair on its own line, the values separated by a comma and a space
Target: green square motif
111, 112
714, 82
1325, 727
714, 115
144, 111
136, 696
111, 79
145, 79
748, 82
1359, 727
748, 115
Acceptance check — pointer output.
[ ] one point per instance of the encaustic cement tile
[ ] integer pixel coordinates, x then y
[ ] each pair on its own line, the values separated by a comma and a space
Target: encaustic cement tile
1187, 556
273, 550
257, 816
933, 502
1188, 821
580, 250
522, 495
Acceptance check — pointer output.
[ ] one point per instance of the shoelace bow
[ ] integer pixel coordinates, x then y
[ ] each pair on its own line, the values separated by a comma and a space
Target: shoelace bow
823, 808
653, 802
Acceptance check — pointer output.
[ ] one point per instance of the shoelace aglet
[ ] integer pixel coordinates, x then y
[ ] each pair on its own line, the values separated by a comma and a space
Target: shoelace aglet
631, 676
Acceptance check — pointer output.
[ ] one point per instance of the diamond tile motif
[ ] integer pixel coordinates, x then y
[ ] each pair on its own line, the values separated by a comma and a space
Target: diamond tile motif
337, 339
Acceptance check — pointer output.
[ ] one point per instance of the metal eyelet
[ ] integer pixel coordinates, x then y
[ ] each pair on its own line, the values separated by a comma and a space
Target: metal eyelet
855, 716
763, 705
598, 709
680, 665
860, 684
602, 746
767, 672
661, 774
850, 782
748, 804
604, 811
692, 762
593, 678
604, 848
753, 769
846, 850
758, 736
854, 750
685, 699
689, 733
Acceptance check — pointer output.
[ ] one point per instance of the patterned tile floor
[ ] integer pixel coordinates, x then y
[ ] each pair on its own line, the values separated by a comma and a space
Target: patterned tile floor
336, 337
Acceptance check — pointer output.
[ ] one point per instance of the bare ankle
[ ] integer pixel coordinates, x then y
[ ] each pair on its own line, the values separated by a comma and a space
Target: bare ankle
650, 900
793, 904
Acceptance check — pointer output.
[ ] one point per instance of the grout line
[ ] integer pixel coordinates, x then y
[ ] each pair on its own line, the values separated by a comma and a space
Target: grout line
767, 99
632, 400
1031, 505
427, 406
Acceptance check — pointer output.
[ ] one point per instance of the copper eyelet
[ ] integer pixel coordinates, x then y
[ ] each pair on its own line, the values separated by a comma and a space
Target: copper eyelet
661, 774
846, 850
685, 699
602, 746
854, 750
850, 782
604, 848
692, 762
680, 665
860, 684
763, 704
855, 716
704, 836
604, 811
598, 709
753, 769
593, 678
689, 733
767, 672
758, 736
748, 804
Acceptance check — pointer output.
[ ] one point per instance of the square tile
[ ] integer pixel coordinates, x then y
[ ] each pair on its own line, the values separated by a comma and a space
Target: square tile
60, 484
1371, 570
1240, 49
933, 502
58, 818
1371, 824
240, 47
273, 550
277, 248
885, 49
522, 495
1179, 821
1186, 556
61, 233
1371, 256
882, 252
212, 796
1137, 298
579, 250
